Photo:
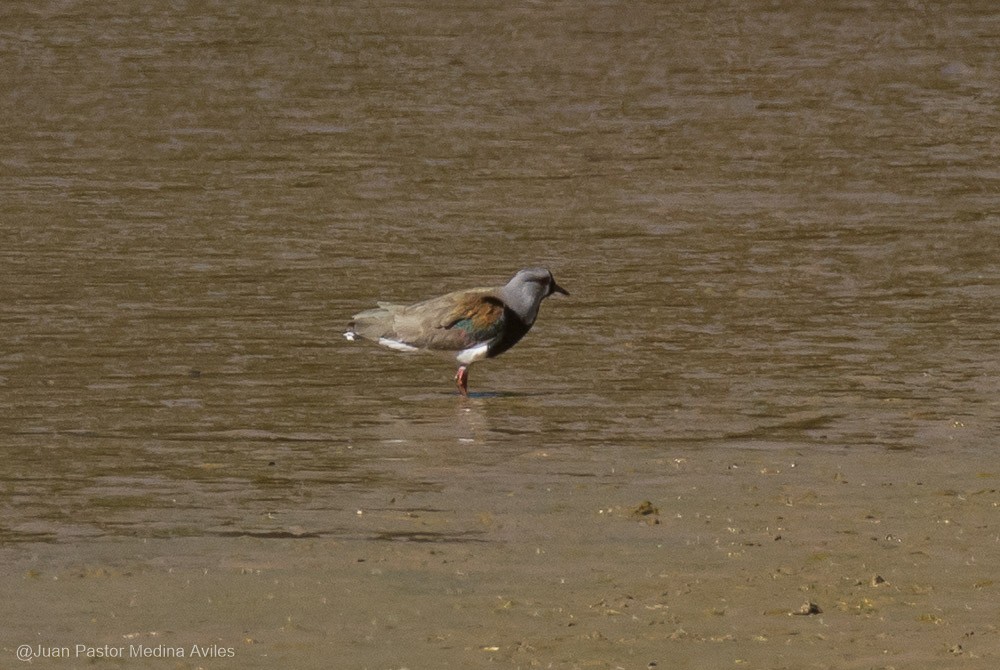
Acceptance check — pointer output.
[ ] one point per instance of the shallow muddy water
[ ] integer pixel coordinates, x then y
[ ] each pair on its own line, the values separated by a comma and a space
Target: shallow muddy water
779, 225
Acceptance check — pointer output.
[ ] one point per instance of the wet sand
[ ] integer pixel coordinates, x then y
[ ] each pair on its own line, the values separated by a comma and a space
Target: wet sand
544, 560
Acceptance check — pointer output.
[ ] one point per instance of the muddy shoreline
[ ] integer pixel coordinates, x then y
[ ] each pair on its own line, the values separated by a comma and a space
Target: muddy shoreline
767, 557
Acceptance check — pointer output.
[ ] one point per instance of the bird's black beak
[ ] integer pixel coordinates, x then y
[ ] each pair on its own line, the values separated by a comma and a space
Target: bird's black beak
556, 288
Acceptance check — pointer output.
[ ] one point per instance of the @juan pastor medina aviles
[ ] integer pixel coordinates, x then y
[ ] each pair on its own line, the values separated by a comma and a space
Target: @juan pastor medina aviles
29, 652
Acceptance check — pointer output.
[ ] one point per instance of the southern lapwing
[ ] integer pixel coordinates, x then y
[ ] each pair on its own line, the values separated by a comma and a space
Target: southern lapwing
472, 325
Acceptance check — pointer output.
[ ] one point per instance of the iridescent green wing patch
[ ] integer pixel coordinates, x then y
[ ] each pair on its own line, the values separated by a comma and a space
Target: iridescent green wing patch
481, 318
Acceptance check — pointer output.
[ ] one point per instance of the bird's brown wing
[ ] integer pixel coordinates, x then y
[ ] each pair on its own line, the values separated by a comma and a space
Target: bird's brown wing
451, 322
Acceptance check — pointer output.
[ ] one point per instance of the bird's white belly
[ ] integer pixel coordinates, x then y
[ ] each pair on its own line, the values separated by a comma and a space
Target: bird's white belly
395, 344
472, 354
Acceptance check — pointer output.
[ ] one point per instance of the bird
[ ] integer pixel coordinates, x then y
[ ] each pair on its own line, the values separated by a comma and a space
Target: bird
471, 325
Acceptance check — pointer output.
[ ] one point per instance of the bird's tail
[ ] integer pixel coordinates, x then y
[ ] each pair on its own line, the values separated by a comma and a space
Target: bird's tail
372, 324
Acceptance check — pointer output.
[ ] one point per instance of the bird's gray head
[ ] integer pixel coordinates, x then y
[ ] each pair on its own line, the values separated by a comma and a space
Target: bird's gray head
526, 290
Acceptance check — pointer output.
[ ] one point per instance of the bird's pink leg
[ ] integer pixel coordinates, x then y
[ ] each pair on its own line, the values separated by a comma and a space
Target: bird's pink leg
462, 380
